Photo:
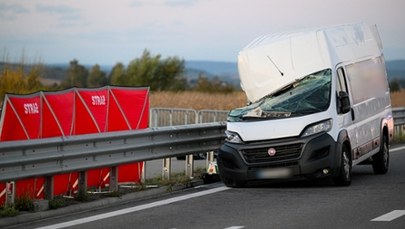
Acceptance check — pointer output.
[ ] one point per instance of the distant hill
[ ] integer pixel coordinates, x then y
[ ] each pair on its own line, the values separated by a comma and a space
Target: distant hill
396, 65
228, 71
396, 69
225, 71
214, 67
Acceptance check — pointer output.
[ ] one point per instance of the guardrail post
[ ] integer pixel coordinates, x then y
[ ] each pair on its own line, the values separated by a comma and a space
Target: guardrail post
210, 158
143, 173
113, 178
190, 165
10, 192
167, 167
171, 118
49, 194
82, 182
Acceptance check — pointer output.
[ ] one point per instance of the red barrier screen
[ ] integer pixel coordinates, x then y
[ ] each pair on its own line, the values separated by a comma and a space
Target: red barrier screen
75, 111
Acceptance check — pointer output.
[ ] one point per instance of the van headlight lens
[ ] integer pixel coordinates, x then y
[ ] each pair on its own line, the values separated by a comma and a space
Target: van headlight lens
318, 127
232, 137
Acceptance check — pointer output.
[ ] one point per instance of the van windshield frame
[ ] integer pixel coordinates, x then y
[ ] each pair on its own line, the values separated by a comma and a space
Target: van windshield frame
308, 95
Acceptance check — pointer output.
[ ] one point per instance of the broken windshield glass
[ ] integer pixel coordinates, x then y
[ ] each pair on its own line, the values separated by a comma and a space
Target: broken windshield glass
308, 95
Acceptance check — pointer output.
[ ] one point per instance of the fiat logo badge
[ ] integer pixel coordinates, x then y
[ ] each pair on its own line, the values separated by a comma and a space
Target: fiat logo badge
271, 152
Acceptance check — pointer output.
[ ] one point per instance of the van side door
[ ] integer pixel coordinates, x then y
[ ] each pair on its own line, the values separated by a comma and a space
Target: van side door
346, 118
370, 98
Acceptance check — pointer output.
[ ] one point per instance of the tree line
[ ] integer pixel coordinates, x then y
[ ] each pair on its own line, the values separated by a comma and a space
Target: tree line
160, 74
396, 84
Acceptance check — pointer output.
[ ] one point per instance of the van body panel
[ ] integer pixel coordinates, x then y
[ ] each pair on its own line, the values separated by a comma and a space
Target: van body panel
265, 67
249, 162
272, 61
275, 129
313, 95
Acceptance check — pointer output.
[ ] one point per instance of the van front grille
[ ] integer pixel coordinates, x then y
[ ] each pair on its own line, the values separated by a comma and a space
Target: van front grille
283, 152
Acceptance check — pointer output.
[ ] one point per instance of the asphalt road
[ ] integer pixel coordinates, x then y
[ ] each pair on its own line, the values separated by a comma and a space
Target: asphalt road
300, 204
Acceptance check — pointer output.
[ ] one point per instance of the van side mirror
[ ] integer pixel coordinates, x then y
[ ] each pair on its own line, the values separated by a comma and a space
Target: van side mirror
343, 102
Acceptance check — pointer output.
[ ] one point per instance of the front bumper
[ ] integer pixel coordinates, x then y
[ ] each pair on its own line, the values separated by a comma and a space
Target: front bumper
310, 157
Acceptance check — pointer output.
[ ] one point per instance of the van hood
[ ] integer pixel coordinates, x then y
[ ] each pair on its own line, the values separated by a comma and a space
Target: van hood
276, 128
272, 62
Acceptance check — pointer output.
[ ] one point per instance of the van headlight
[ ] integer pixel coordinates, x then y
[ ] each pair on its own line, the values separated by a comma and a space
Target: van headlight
232, 137
323, 126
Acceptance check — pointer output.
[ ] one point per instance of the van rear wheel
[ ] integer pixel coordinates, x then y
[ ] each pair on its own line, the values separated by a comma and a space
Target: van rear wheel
381, 159
344, 177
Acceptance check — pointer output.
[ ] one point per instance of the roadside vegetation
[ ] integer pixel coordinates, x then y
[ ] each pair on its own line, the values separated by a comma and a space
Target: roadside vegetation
166, 78
160, 74
398, 98
24, 203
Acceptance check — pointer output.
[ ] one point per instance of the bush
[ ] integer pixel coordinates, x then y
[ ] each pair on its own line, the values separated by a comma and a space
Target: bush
8, 211
24, 203
82, 196
57, 202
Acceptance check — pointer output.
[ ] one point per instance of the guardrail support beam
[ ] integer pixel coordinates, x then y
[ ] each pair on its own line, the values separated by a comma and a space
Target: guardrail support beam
189, 165
49, 194
82, 182
143, 172
10, 193
113, 179
210, 158
167, 167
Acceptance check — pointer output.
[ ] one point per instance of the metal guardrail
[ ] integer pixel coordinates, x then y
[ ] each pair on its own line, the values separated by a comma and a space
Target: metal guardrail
399, 115
205, 116
175, 116
169, 117
22, 159
44, 157
399, 121
172, 117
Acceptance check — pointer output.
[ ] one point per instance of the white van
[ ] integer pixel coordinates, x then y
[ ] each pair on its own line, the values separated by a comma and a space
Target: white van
319, 103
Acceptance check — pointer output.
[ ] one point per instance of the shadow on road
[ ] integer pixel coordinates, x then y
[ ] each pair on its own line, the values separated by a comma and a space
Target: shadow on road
359, 173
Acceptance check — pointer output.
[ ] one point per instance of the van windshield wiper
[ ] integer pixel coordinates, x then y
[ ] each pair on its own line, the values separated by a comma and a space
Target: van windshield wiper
277, 114
258, 113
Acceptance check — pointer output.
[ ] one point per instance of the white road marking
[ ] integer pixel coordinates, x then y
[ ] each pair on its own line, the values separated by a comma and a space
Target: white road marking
235, 227
390, 216
133, 209
397, 149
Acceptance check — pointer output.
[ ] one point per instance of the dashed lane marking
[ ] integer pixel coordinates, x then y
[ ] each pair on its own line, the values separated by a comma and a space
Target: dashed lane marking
390, 216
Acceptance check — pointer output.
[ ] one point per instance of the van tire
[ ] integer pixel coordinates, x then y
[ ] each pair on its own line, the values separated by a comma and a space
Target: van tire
381, 159
344, 177
229, 182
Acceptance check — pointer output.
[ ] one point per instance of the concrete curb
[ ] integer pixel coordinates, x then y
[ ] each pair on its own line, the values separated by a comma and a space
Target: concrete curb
103, 202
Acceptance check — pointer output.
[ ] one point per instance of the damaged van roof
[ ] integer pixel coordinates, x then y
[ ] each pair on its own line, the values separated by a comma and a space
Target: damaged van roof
272, 62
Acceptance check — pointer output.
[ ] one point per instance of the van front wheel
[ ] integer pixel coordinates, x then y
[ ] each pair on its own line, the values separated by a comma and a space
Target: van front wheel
344, 178
230, 182
381, 159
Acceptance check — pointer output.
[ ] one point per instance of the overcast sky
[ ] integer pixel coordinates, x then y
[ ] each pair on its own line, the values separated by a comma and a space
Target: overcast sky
107, 32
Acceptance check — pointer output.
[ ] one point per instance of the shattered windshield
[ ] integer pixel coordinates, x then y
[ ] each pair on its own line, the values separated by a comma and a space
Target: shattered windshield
308, 95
